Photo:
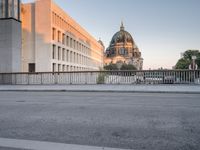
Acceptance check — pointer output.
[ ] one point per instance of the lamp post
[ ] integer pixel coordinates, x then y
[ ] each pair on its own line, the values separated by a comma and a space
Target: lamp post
194, 67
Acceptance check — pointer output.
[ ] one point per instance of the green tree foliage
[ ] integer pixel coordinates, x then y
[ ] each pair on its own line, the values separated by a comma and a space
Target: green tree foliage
189, 53
184, 62
111, 67
128, 67
123, 67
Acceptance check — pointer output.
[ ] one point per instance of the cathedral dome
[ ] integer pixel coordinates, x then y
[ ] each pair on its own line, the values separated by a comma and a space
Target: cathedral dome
121, 37
122, 49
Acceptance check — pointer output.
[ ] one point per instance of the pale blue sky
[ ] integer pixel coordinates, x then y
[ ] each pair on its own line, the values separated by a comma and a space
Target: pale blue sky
162, 29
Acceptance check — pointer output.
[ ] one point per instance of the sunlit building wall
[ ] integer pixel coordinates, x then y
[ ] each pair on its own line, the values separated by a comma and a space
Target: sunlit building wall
53, 41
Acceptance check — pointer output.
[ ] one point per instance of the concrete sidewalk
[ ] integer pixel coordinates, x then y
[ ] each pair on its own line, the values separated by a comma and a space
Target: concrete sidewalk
38, 145
105, 88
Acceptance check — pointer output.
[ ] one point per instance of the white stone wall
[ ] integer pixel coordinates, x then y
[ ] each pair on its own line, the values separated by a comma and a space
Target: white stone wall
28, 36
10, 45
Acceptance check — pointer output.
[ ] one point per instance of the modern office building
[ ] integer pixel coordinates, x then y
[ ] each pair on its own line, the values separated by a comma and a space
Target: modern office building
53, 41
41, 37
10, 36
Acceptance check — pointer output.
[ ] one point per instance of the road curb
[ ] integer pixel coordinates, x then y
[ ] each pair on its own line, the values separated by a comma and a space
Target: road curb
104, 91
42, 145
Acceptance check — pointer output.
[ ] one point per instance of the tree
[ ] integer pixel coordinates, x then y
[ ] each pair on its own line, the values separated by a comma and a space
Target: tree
111, 67
124, 66
189, 53
128, 67
184, 62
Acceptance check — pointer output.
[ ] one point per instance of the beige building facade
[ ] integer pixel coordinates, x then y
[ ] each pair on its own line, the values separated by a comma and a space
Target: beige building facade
53, 41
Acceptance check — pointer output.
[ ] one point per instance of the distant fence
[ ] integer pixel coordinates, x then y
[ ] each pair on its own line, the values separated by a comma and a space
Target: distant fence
103, 77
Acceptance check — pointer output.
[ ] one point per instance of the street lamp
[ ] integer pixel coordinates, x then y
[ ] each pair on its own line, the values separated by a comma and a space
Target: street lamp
194, 65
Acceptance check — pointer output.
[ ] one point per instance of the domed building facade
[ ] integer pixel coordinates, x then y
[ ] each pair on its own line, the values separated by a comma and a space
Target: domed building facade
122, 49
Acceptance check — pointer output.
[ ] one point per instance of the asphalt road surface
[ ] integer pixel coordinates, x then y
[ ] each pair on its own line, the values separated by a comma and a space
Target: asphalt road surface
121, 120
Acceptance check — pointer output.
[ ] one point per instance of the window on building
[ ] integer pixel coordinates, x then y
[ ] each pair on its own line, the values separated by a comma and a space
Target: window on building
84, 49
56, 19
121, 51
54, 67
59, 67
63, 54
70, 42
70, 57
31, 67
2, 9
63, 39
63, 68
81, 61
53, 33
67, 56
77, 45
52, 14
74, 44
74, 57
10, 8
59, 53
89, 51
77, 59
15, 13
54, 52
67, 41
59, 36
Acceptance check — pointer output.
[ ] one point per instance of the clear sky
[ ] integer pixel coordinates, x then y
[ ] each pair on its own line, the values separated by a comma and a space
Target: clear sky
162, 29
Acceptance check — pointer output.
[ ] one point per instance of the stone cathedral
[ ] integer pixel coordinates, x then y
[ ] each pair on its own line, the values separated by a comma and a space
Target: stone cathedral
122, 49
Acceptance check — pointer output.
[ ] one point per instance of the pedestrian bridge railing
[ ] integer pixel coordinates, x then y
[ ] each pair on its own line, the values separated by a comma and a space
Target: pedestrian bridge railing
103, 77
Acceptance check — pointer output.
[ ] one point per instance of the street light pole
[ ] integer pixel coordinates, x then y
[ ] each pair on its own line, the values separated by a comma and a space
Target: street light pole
193, 62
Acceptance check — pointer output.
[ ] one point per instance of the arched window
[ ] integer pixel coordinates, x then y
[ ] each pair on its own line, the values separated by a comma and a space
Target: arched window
121, 51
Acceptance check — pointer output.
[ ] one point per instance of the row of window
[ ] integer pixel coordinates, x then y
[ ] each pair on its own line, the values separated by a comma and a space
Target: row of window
60, 22
63, 54
63, 68
66, 42
10, 9
69, 41
63, 24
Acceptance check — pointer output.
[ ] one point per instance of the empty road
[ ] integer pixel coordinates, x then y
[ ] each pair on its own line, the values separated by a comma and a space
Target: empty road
120, 120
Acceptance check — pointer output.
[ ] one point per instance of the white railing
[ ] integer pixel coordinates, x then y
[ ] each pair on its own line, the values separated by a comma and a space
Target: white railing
103, 77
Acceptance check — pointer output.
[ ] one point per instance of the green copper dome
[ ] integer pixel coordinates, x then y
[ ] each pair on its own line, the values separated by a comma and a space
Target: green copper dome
121, 37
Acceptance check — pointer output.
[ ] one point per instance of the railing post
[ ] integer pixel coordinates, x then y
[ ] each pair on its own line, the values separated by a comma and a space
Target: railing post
86, 78
28, 78
56, 78
15, 79
70, 78
41, 79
